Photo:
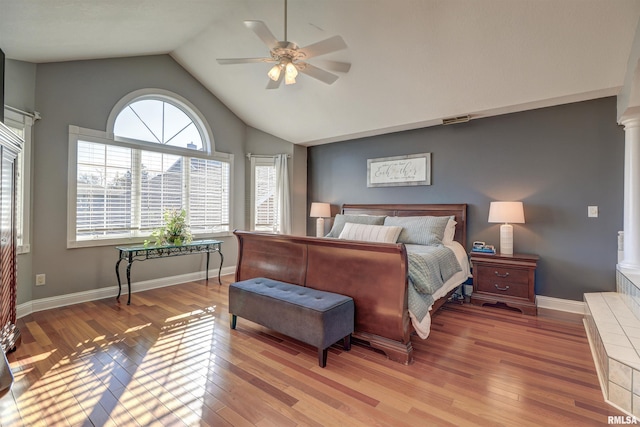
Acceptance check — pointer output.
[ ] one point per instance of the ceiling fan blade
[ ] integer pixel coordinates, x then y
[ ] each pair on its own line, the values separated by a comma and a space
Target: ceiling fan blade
262, 31
317, 73
323, 47
275, 84
229, 61
340, 67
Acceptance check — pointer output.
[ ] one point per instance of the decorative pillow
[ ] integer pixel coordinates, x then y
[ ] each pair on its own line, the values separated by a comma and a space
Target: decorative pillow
340, 220
370, 233
449, 232
420, 230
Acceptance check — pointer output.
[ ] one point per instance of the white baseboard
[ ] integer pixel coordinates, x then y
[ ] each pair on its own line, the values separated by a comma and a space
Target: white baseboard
111, 291
567, 305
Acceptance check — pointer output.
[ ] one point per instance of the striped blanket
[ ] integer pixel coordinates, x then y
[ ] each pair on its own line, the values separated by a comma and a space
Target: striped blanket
429, 268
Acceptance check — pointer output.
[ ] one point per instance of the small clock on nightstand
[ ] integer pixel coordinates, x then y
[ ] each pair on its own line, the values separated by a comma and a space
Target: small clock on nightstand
508, 279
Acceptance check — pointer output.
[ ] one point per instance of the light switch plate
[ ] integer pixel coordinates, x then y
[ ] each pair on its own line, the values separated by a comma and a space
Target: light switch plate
592, 212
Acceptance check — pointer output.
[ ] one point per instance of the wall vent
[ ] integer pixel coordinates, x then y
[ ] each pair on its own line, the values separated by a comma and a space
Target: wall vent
454, 120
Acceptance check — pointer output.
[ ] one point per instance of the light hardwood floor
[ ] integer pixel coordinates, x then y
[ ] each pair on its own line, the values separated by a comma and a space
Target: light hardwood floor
171, 359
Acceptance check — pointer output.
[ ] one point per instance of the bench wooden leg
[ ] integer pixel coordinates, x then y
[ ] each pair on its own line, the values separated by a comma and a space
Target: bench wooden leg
346, 343
232, 321
322, 357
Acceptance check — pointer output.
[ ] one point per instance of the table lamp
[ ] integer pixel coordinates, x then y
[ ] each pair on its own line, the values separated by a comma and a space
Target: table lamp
320, 211
506, 212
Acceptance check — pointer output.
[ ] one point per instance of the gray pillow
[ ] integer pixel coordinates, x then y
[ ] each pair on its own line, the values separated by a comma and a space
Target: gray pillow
341, 220
420, 230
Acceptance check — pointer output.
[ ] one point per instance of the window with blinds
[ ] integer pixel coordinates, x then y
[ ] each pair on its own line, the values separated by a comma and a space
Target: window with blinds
123, 187
21, 125
265, 207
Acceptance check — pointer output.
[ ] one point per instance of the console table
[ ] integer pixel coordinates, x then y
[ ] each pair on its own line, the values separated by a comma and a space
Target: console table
142, 253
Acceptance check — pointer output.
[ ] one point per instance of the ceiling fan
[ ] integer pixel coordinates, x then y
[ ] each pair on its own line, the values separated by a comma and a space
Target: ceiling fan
290, 59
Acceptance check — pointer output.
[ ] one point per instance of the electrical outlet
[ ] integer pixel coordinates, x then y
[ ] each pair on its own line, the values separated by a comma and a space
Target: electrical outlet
41, 279
592, 212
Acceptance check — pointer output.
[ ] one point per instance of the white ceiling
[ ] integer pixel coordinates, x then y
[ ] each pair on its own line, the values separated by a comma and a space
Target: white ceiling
414, 62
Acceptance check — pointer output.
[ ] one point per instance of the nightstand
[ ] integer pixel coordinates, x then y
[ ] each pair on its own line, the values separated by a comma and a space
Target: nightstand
508, 279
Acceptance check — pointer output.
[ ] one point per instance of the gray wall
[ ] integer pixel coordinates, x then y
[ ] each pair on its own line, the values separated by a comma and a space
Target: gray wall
556, 160
261, 143
83, 93
20, 85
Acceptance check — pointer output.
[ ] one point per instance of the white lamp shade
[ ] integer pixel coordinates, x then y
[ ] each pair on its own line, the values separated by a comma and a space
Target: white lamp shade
320, 210
506, 212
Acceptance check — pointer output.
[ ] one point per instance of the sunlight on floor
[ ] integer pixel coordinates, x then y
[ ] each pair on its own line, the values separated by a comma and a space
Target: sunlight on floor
122, 377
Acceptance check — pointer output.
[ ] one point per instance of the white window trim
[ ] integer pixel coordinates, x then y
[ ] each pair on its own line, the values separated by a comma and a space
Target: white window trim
76, 133
163, 95
256, 161
25, 121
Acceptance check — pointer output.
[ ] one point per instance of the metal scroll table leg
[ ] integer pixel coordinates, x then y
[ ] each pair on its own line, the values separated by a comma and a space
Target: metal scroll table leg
129, 280
220, 268
207, 269
118, 276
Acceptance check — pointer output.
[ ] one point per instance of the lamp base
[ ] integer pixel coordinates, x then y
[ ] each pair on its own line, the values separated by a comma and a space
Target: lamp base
506, 239
320, 227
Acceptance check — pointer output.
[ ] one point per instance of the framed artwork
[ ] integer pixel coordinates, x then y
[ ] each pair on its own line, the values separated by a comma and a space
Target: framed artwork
412, 169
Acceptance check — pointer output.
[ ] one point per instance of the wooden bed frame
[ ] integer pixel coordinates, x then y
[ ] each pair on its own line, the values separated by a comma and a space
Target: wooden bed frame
373, 274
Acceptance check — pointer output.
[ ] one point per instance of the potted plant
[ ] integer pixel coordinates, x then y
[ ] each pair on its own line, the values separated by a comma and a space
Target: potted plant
175, 230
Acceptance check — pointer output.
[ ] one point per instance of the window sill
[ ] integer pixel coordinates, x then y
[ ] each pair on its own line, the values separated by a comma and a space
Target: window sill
78, 244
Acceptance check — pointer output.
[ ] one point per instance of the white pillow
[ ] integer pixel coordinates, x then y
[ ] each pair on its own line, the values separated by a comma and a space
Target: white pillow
370, 233
340, 220
449, 232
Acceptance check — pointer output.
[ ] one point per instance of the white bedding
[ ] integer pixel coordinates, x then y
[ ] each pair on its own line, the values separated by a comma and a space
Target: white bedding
423, 328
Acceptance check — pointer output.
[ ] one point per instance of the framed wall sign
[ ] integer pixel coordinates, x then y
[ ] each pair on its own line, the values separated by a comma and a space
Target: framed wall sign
412, 169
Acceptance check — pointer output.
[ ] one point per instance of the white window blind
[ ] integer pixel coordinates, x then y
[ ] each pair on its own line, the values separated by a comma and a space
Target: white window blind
103, 205
111, 203
20, 123
209, 195
161, 187
20, 195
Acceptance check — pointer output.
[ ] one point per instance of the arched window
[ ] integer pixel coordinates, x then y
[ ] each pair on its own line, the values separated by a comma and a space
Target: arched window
158, 121
159, 156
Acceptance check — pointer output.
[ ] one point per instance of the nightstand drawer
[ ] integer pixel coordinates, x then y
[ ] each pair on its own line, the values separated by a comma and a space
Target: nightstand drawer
502, 275
501, 280
504, 287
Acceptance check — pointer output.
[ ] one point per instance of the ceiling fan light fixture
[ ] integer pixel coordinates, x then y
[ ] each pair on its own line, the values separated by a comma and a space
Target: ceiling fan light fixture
290, 73
288, 57
291, 70
274, 73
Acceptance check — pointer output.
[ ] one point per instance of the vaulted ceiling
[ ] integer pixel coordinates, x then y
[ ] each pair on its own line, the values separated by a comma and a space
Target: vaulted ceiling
414, 62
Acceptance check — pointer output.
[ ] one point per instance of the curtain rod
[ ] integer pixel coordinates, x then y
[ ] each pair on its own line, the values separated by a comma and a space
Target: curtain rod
265, 156
35, 115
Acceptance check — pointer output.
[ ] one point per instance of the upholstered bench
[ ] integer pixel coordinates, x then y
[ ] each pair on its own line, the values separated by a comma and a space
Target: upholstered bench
314, 317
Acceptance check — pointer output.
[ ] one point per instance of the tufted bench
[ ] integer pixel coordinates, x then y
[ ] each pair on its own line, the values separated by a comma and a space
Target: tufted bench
314, 317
